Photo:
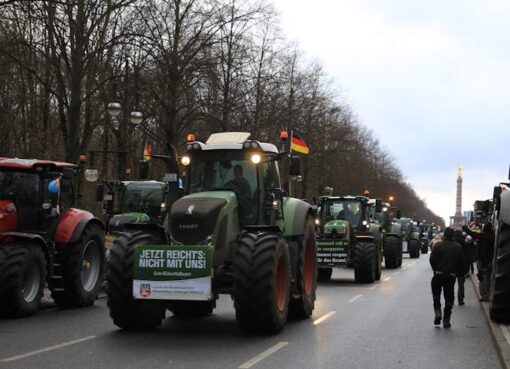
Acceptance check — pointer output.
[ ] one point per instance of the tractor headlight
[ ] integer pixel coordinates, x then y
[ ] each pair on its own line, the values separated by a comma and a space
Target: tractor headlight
317, 222
365, 223
255, 158
185, 160
91, 175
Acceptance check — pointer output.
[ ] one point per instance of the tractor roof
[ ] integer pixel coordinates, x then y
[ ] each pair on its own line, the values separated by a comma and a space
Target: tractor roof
33, 164
345, 198
232, 141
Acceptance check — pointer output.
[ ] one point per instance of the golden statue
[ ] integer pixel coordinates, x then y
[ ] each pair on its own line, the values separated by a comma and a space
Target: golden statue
460, 169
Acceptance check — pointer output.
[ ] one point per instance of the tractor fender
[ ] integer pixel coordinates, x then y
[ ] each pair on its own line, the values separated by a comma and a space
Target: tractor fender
365, 238
147, 228
32, 237
72, 224
504, 212
295, 212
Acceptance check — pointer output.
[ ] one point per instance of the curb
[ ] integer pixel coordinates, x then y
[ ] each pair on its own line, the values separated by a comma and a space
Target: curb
500, 332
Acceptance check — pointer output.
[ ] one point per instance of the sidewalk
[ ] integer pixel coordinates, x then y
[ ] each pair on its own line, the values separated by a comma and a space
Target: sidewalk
500, 332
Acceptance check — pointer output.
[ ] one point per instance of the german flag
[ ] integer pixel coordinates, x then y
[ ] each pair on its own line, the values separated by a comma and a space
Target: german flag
299, 145
147, 151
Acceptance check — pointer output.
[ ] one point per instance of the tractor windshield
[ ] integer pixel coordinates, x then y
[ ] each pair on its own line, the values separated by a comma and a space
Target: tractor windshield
379, 218
21, 186
143, 197
341, 209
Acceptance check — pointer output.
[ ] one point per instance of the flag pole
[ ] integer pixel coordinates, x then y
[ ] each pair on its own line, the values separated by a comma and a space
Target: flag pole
290, 163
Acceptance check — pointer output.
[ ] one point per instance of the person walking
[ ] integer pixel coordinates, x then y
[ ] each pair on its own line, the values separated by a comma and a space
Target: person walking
458, 237
485, 255
447, 262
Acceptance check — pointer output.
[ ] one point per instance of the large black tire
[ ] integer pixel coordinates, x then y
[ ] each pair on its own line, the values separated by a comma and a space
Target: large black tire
500, 302
261, 282
192, 309
22, 280
378, 265
83, 265
301, 306
127, 312
392, 250
414, 249
324, 274
425, 246
364, 261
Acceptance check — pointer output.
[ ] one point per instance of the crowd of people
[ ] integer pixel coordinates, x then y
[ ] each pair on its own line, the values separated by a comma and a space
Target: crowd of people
452, 259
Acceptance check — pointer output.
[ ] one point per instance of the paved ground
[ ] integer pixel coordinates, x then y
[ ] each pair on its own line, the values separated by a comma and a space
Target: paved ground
384, 325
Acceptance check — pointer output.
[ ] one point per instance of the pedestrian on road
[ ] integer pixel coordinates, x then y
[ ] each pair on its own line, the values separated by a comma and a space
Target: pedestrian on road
459, 238
447, 262
485, 255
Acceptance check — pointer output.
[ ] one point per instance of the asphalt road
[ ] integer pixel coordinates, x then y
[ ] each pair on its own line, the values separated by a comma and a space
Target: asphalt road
384, 325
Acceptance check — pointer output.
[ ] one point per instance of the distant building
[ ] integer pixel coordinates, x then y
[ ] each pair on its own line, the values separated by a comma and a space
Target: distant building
458, 220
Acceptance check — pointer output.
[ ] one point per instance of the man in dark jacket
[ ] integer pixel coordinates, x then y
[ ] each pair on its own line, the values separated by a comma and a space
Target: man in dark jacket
447, 261
459, 238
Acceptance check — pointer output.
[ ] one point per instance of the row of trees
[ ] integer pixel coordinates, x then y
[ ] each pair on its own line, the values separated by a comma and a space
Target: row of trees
197, 66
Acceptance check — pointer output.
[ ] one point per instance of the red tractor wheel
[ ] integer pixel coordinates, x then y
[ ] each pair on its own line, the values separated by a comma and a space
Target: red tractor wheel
22, 280
82, 269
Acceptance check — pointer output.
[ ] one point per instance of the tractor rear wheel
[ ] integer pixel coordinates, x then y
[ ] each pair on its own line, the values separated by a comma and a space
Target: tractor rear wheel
82, 269
302, 306
324, 274
127, 312
392, 252
500, 302
192, 309
22, 279
425, 246
261, 282
364, 262
414, 249
378, 265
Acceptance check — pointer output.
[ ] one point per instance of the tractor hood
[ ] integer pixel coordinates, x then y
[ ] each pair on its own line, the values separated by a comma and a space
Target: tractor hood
119, 220
336, 227
8, 216
193, 218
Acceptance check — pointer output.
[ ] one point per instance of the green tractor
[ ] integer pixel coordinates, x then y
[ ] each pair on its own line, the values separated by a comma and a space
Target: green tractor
235, 232
499, 307
131, 202
411, 232
345, 238
391, 232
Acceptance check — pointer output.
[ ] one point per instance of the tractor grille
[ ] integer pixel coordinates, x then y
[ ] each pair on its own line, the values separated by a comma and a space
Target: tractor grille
193, 219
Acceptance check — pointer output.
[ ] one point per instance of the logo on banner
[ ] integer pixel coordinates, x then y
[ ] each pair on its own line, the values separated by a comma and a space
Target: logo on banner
145, 290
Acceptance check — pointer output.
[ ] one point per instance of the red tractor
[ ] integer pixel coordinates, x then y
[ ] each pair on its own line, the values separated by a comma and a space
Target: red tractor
43, 239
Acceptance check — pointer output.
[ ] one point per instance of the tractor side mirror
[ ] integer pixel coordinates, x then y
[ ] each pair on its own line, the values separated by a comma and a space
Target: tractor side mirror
143, 170
495, 196
399, 214
99, 192
295, 169
378, 206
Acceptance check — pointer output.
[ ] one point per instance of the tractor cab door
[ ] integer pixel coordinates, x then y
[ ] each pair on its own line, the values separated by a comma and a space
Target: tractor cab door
271, 195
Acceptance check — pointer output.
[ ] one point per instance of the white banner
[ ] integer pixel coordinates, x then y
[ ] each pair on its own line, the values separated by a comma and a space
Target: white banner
198, 289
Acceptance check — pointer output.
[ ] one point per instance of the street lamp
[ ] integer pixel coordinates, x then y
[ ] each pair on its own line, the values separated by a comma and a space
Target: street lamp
114, 109
391, 198
136, 117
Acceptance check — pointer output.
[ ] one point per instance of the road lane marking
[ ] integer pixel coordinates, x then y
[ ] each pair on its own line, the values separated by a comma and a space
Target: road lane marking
36, 352
263, 355
354, 299
323, 318
396, 273
386, 279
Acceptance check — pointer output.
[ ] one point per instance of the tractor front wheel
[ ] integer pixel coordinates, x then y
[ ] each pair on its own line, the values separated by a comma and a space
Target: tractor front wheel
262, 282
414, 249
500, 302
302, 306
22, 279
364, 262
392, 252
127, 312
82, 269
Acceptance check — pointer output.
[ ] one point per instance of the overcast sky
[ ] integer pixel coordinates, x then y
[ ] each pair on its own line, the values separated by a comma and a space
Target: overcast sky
430, 78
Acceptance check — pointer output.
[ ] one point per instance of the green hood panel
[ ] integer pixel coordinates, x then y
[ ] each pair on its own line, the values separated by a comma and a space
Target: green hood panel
339, 225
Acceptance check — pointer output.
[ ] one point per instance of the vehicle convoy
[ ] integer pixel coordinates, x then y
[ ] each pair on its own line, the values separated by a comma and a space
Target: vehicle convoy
345, 238
499, 307
391, 233
411, 237
235, 232
44, 239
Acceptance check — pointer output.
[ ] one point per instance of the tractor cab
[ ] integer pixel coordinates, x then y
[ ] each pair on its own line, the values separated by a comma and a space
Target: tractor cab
33, 193
336, 212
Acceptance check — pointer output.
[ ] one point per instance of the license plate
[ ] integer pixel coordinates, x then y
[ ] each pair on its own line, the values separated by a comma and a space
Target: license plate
167, 272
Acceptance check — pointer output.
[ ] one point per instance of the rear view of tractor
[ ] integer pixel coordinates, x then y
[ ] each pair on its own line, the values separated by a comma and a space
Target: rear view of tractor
43, 239
390, 231
499, 307
411, 237
345, 238
235, 232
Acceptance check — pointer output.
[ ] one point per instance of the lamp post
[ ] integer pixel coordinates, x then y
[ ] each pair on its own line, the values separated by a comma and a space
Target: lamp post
114, 109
